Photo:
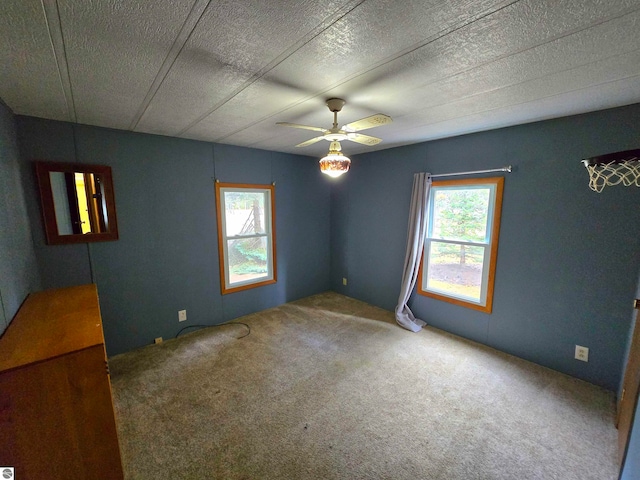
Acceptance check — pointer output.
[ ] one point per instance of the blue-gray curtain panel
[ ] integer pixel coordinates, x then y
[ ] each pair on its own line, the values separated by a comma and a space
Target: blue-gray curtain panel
416, 233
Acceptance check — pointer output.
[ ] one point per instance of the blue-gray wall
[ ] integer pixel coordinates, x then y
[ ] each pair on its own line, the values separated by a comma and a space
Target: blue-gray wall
18, 268
167, 256
568, 257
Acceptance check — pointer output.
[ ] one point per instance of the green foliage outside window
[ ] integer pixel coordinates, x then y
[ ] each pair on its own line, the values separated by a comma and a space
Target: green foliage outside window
460, 214
248, 256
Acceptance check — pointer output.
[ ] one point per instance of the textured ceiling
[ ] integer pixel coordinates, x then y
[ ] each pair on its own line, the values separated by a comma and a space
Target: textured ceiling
226, 71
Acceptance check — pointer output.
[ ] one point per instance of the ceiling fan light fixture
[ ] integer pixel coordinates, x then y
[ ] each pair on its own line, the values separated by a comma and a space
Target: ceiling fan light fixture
334, 166
335, 163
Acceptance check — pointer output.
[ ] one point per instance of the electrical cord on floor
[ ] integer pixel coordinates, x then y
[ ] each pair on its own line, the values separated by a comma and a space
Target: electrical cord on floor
219, 325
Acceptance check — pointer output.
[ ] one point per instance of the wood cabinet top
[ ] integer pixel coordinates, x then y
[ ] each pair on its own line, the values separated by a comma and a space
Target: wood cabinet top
52, 323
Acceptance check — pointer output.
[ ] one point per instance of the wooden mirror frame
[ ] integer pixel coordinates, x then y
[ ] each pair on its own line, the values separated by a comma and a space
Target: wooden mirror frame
43, 170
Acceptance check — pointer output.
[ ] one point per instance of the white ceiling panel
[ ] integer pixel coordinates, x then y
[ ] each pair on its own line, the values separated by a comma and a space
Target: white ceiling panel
268, 96
234, 42
227, 71
609, 39
545, 63
609, 95
508, 32
370, 37
556, 85
29, 77
114, 51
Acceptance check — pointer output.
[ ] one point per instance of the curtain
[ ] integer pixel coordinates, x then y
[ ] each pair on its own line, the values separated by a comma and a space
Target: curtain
416, 233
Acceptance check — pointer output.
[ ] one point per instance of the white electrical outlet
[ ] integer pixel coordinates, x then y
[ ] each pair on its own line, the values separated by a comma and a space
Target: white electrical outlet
182, 315
582, 353
344, 281
158, 340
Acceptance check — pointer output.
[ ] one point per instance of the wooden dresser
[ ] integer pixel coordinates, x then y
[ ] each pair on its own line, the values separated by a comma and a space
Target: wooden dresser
56, 410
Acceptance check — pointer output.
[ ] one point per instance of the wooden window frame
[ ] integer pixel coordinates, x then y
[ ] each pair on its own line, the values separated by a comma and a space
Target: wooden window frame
222, 237
494, 228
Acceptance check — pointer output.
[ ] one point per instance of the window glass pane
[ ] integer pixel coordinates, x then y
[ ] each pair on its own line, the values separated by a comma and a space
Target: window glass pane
247, 259
244, 213
460, 214
455, 270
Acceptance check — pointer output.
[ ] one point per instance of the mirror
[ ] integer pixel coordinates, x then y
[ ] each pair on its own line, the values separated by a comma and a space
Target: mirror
78, 205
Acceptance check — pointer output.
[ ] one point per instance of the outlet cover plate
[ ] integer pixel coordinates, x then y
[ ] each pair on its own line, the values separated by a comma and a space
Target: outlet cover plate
582, 353
182, 315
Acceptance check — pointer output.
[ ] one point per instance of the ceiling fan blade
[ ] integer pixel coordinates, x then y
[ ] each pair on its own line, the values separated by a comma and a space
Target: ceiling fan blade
310, 141
297, 125
363, 139
376, 120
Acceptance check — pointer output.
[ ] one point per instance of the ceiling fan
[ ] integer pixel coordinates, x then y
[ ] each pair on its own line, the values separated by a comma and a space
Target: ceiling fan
348, 131
335, 163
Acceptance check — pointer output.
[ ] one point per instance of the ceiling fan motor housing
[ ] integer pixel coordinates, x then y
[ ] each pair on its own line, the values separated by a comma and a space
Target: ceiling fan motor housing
335, 104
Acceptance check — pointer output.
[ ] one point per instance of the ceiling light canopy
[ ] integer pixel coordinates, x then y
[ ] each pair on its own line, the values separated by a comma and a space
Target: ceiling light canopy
335, 163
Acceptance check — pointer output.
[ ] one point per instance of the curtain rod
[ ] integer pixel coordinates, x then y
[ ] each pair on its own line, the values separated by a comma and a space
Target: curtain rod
503, 169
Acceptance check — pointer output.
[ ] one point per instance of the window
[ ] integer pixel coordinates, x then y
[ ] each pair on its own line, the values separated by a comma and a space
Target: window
246, 236
461, 245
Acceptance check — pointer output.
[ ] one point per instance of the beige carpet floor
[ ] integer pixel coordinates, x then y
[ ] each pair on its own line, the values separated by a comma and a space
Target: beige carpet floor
329, 387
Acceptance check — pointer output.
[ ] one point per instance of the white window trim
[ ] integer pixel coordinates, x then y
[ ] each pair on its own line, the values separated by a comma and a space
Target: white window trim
223, 238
